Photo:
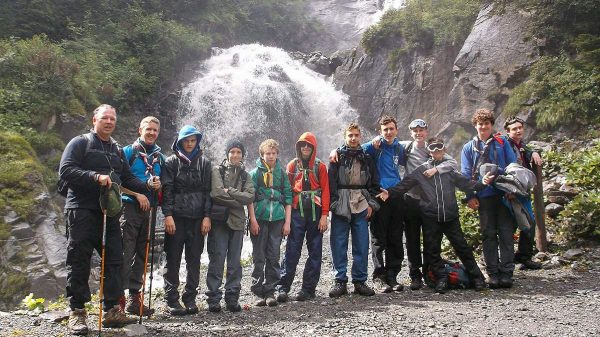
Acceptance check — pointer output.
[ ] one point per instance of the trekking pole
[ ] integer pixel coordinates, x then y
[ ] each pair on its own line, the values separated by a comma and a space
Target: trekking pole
151, 221
152, 237
104, 197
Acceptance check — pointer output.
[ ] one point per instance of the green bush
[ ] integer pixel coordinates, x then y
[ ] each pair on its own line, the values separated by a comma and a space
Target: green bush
559, 93
580, 220
15, 285
422, 24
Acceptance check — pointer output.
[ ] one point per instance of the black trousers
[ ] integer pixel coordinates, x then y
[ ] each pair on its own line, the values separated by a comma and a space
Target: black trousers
433, 231
387, 227
187, 235
525, 248
84, 227
413, 223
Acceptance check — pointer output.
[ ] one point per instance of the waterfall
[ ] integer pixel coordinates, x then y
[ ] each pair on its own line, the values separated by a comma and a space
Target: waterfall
253, 92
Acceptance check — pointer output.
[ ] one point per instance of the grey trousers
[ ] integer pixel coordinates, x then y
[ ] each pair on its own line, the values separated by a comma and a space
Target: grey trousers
134, 228
224, 243
497, 228
265, 256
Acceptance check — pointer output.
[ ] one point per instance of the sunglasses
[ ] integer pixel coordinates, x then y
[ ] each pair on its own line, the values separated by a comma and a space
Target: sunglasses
435, 147
417, 122
304, 144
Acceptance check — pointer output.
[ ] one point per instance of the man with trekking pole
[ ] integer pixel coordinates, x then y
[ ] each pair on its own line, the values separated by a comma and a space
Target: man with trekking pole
145, 159
92, 168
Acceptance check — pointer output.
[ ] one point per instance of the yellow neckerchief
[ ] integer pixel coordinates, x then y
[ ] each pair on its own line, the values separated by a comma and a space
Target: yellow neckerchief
268, 176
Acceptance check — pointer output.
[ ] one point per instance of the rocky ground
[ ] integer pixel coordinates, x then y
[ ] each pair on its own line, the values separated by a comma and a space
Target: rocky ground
561, 300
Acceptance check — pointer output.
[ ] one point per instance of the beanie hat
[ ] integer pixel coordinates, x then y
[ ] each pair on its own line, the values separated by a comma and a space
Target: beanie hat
234, 143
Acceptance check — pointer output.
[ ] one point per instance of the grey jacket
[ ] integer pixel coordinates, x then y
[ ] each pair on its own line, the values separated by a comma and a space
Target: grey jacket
236, 197
438, 193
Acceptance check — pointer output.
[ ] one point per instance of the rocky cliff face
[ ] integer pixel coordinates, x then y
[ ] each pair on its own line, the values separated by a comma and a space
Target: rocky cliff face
446, 85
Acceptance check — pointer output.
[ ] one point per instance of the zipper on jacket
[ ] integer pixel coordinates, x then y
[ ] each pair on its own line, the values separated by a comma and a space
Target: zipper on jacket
437, 198
271, 205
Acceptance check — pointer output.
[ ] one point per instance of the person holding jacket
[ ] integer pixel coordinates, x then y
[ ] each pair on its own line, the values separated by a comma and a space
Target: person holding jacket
437, 201
497, 226
186, 207
353, 184
270, 219
310, 210
146, 161
231, 188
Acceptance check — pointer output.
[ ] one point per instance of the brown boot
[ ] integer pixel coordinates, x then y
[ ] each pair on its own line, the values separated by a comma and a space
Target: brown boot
133, 305
77, 325
115, 318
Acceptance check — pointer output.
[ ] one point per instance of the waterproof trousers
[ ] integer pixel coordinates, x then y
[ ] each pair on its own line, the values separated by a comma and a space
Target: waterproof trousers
412, 229
84, 230
303, 227
224, 244
497, 228
433, 232
266, 273
189, 237
387, 227
134, 227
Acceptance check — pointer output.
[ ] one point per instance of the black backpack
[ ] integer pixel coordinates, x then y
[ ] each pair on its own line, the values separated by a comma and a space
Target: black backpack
62, 186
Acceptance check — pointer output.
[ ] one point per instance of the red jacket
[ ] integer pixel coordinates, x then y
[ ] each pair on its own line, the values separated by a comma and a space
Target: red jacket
296, 175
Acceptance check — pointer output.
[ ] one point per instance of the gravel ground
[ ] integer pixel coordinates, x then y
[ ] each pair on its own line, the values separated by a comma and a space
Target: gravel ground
559, 302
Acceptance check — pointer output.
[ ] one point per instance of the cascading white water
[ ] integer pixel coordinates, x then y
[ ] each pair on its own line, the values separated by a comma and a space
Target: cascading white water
253, 92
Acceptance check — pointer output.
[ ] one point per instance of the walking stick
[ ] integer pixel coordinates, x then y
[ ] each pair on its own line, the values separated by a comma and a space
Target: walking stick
151, 223
104, 197
152, 237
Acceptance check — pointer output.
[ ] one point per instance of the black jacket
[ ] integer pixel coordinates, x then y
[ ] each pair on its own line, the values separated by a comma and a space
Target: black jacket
438, 193
79, 164
186, 187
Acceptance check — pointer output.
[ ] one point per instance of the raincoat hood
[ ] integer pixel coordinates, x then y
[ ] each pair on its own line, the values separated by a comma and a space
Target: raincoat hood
184, 132
310, 139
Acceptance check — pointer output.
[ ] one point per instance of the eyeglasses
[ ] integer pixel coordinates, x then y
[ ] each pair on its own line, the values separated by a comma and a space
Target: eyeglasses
417, 122
435, 146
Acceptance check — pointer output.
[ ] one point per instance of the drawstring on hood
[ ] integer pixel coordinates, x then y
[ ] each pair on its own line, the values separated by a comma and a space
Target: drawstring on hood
184, 132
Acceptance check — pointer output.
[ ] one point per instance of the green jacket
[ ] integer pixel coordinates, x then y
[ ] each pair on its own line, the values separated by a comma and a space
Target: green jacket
236, 197
269, 203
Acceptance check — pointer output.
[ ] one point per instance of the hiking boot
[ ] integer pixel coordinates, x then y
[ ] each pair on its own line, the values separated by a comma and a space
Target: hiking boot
505, 281
176, 309
530, 264
478, 284
260, 301
363, 289
382, 286
271, 301
77, 325
133, 306
416, 284
282, 296
115, 318
338, 289
122, 303
441, 286
304, 295
233, 307
493, 282
192, 308
214, 307
396, 286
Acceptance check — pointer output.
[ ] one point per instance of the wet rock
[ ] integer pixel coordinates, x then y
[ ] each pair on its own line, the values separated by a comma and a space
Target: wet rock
573, 253
11, 217
553, 209
135, 330
55, 316
558, 199
21, 231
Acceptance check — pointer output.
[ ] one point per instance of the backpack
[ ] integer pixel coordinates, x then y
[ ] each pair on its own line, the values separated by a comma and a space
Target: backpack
457, 276
315, 168
407, 150
261, 183
62, 186
397, 148
488, 146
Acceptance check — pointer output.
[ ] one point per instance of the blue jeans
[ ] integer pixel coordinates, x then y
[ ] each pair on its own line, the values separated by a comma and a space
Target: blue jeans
300, 227
340, 229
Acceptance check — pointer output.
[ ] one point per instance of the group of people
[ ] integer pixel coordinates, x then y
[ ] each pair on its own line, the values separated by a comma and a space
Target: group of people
371, 202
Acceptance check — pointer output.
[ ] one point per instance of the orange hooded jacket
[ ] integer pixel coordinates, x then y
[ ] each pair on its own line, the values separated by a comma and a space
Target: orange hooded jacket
296, 176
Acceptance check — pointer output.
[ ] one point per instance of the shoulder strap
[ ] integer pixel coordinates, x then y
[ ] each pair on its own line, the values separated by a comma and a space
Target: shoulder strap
408, 149
316, 169
134, 155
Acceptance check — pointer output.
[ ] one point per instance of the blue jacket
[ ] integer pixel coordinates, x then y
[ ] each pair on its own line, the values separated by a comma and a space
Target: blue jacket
388, 159
138, 167
500, 154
